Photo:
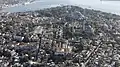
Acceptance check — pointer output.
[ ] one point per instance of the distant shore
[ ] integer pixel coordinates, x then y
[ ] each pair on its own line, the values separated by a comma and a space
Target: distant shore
41, 4
4, 6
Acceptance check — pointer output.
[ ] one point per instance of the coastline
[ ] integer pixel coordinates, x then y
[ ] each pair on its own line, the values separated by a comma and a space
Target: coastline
33, 5
2, 7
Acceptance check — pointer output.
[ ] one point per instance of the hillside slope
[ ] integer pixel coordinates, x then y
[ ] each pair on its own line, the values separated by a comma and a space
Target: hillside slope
92, 38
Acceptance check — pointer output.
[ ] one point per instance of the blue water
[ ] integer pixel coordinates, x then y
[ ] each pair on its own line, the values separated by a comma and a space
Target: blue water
38, 4
106, 6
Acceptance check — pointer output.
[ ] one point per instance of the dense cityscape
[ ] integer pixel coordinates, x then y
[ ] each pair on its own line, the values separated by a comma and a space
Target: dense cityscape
64, 36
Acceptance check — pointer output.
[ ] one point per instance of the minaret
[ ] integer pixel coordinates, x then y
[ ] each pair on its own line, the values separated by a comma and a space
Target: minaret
38, 31
84, 21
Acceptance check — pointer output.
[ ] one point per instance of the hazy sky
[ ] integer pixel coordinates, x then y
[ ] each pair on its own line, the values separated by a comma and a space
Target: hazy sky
109, 6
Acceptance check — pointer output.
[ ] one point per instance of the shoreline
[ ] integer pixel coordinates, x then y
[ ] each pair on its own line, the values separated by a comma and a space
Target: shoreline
4, 9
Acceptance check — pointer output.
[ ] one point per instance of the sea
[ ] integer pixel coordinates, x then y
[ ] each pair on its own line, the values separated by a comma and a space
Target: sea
110, 6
